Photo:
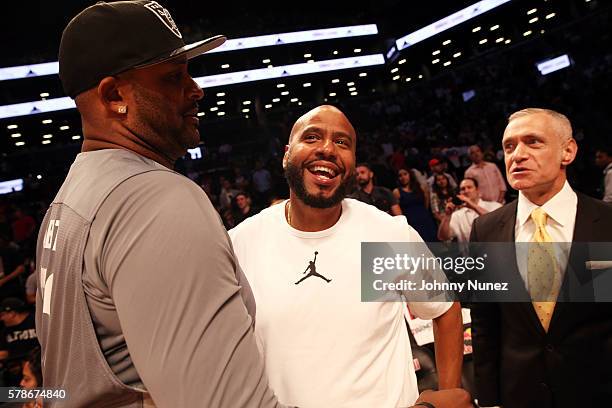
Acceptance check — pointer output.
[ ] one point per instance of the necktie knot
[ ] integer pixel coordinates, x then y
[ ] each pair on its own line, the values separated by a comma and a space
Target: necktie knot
539, 217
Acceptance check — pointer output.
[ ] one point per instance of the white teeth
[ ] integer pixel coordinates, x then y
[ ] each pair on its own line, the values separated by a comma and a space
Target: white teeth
324, 169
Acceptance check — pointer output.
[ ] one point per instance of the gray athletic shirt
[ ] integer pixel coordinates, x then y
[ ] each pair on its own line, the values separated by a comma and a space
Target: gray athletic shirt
170, 307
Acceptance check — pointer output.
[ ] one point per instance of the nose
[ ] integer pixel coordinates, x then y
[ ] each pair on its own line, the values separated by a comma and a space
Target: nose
520, 153
195, 92
327, 147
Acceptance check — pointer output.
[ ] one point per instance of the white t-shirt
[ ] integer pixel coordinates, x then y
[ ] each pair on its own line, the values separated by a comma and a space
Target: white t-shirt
322, 346
461, 220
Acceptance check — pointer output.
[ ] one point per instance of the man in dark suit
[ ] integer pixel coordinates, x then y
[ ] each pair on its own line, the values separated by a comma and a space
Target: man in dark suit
538, 354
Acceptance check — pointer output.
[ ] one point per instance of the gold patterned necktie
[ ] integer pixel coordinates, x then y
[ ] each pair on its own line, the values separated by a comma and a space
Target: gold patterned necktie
544, 275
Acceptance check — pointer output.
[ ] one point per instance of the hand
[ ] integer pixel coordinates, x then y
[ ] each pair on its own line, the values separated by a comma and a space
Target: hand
452, 398
449, 208
467, 202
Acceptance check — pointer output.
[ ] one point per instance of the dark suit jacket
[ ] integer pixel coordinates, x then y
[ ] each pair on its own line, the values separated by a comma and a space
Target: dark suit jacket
519, 365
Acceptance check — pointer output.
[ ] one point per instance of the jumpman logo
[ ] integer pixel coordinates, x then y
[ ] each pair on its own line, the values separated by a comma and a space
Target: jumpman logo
313, 271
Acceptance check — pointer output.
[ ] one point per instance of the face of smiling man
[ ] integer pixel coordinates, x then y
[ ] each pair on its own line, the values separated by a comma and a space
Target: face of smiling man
319, 161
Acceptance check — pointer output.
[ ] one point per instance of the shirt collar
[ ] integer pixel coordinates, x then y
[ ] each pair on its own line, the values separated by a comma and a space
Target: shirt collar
556, 207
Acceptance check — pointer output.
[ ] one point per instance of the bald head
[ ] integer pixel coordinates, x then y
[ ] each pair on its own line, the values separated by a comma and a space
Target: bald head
320, 114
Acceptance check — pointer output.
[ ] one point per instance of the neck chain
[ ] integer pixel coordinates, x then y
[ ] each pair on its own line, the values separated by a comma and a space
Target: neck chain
289, 212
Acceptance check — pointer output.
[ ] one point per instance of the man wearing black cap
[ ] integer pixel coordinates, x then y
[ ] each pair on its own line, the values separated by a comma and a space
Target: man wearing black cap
18, 336
17, 339
140, 298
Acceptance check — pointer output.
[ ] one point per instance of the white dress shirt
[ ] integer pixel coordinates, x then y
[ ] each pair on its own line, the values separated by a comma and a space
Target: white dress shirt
561, 210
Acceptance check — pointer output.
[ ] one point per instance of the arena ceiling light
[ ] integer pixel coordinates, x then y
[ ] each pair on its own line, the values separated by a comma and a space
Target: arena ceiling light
15, 135
11, 127
211, 81
554, 64
220, 94
448, 22
11, 186
52, 68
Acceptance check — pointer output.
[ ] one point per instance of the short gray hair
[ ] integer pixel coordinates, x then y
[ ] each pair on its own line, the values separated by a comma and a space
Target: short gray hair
563, 125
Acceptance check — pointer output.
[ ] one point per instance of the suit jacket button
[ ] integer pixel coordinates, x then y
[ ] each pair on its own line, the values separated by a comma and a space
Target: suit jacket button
543, 385
550, 348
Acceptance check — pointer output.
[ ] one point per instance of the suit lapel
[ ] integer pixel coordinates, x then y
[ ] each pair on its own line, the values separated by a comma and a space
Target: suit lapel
586, 216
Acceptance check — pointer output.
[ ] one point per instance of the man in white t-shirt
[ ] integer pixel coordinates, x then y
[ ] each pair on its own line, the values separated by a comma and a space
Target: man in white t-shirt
322, 346
458, 219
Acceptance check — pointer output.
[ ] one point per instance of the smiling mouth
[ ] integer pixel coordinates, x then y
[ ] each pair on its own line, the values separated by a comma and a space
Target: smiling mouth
323, 175
520, 170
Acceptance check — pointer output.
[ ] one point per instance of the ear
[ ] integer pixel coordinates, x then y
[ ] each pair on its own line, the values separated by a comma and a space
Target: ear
569, 152
111, 95
285, 157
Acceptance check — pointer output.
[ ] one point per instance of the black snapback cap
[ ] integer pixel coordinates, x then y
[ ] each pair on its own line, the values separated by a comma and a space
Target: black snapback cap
10, 304
109, 38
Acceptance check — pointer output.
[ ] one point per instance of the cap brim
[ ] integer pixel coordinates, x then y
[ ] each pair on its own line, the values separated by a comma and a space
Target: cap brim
190, 50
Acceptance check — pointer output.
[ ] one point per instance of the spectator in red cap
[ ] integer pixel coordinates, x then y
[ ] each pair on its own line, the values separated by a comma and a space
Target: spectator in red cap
437, 168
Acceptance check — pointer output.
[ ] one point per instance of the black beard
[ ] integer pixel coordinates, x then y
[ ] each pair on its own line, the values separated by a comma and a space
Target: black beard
295, 179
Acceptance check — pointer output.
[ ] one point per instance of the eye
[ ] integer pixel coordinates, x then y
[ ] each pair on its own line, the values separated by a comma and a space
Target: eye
175, 76
310, 137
